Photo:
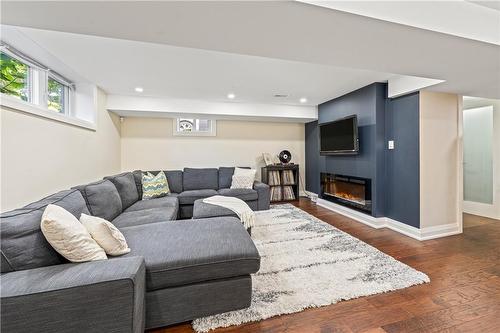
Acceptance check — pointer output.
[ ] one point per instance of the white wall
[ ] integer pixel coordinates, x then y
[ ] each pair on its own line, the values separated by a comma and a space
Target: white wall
148, 144
440, 160
491, 211
40, 156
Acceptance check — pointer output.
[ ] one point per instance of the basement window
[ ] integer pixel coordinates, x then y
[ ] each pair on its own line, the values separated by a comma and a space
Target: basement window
194, 127
25, 79
15, 77
28, 86
57, 95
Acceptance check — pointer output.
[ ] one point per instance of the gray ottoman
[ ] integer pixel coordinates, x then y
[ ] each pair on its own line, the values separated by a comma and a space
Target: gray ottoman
203, 210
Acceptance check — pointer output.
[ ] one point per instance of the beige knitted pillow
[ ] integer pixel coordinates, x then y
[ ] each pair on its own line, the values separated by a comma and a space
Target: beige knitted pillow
105, 234
243, 178
68, 236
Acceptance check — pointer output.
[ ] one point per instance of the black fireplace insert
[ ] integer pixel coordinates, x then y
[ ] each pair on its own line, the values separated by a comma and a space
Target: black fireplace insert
350, 191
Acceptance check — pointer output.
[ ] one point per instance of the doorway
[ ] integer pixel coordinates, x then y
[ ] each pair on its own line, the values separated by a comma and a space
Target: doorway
481, 157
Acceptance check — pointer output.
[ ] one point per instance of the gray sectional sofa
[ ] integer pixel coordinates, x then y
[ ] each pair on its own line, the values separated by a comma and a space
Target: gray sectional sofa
192, 184
177, 269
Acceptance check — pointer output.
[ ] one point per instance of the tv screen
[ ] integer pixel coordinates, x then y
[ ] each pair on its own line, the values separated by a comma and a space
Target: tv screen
339, 137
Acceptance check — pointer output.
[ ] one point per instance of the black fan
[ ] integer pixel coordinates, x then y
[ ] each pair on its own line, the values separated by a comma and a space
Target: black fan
285, 156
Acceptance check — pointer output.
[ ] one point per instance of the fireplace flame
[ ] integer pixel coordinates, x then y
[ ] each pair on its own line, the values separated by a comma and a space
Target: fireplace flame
348, 196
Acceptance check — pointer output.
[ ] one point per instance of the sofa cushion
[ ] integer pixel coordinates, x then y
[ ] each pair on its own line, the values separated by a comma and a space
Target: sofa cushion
200, 179
23, 245
225, 176
167, 201
125, 185
102, 199
204, 210
189, 197
190, 251
138, 181
174, 178
145, 216
186, 211
246, 194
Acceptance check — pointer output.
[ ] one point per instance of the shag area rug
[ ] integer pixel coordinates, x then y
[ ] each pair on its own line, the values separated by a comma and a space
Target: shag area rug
308, 263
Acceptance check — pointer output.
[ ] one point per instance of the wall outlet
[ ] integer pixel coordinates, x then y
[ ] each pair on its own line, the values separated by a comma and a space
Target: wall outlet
390, 144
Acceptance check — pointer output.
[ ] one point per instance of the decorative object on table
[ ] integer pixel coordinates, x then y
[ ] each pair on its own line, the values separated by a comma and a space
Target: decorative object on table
283, 180
308, 263
268, 159
285, 156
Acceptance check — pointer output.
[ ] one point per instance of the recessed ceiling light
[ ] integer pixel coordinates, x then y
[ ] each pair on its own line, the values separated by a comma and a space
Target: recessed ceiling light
303, 100
139, 89
231, 96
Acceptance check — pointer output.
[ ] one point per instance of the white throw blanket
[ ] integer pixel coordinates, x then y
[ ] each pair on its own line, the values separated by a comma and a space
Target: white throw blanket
240, 207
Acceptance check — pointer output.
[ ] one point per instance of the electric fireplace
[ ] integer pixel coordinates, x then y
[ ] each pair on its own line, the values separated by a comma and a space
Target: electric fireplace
353, 192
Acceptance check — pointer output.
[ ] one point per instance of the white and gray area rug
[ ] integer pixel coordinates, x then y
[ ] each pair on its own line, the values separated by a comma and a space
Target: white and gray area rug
308, 263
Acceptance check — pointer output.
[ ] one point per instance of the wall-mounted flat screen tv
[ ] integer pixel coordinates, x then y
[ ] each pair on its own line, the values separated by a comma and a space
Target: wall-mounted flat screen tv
339, 137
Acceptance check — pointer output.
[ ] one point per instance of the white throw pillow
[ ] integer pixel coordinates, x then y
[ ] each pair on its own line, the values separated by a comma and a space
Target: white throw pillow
105, 234
245, 172
68, 236
243, 178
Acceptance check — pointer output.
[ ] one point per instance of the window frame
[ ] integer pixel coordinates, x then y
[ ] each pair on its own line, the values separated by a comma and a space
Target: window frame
211, 132
37, 103
30, 82
67, 93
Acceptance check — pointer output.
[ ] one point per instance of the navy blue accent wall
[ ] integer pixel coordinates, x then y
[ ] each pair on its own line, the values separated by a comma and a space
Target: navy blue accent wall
402, 163
368, 103
312, 157
394, 173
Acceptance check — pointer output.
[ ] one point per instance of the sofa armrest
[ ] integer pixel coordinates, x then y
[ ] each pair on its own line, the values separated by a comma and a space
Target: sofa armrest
264, 193
96, 296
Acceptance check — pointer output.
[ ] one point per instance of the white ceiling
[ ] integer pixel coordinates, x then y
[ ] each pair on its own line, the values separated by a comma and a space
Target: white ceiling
492, 4
118, 66
476, 20
312, 44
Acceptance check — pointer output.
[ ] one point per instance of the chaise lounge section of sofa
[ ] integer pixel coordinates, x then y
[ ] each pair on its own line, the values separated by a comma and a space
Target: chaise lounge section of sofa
42, 291
176, 270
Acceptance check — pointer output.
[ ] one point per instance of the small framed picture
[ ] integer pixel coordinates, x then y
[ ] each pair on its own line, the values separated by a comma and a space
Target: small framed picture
268, 159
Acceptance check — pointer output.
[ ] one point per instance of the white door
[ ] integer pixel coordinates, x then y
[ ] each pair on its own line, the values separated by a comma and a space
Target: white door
478, 155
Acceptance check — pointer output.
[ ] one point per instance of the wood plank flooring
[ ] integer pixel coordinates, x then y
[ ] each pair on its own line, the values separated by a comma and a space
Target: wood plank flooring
463, 296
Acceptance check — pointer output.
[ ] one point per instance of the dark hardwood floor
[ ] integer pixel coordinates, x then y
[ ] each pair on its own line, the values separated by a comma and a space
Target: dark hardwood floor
463, 295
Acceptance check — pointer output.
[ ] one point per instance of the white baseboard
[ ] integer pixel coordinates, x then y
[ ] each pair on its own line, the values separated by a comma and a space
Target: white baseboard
481, 209
385, 222
374, 222
440, 231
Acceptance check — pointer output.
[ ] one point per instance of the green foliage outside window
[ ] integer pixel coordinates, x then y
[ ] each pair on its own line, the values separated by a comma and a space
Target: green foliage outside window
14, 77
55, 98
15, 82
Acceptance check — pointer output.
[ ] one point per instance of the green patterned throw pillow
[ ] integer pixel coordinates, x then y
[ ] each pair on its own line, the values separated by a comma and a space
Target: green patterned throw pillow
154, 186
